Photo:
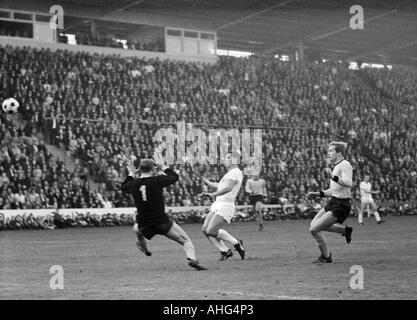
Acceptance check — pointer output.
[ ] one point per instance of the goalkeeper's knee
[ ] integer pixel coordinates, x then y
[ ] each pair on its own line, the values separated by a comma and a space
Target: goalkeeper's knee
136, 228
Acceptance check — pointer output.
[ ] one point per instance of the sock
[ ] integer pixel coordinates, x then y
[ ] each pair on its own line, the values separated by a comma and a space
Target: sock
142, 241
140, 237
360, 217
260, 217
377, 216
189, 250
224, 235
219, 244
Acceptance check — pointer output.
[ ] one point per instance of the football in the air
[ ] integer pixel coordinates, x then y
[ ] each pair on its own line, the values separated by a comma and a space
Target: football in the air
10, 105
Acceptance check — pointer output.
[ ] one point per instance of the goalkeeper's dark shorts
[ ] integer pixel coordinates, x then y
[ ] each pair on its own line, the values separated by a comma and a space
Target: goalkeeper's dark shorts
150, 230
340, 208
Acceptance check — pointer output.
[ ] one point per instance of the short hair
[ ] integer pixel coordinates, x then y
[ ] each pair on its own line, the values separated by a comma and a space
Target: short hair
146, 165
339, 147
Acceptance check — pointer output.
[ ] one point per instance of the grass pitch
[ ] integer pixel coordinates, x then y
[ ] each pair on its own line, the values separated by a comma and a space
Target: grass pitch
104, 263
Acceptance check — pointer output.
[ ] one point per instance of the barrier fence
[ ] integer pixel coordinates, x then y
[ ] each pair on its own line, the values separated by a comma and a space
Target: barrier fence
101, 211
132, 210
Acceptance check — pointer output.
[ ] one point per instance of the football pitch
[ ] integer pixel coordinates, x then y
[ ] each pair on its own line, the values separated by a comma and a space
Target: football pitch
104, 263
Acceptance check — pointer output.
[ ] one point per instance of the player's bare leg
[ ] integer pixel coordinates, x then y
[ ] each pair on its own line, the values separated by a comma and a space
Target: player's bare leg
345, 231
141, 241
214, 230
318, 215
258, 208
337, 228
326, 221
374, 210
225, 252
177, 234
323, 222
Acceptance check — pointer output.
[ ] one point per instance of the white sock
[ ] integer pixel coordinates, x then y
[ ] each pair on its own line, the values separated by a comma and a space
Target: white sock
189, 250
219, 244
224, 235
377, 216
360, 217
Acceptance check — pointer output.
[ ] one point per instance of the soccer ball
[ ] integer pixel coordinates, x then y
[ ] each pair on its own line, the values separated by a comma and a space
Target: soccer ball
10, 106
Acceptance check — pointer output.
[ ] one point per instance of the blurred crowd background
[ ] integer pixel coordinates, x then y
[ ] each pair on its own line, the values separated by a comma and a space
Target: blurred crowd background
103, 110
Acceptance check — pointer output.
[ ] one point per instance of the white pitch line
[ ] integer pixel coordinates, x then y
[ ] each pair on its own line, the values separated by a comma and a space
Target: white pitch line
259, 295
10, 284
252, 294
51, 241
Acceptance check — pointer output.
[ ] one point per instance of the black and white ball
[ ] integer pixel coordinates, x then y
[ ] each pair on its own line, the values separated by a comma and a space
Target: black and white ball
10, 105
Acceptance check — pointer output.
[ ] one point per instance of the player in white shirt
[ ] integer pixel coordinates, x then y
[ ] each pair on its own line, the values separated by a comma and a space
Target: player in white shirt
337, 209
367, 200
223, 209
256, 188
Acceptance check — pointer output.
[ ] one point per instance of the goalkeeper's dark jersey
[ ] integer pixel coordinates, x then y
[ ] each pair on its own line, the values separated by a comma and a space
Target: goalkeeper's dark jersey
147, 193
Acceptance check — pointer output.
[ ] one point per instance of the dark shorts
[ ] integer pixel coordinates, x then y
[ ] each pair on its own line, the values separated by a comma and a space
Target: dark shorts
340, 208
150, 230
255, 199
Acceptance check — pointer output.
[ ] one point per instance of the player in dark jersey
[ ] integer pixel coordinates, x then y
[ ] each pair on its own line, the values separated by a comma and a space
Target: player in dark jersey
151, 218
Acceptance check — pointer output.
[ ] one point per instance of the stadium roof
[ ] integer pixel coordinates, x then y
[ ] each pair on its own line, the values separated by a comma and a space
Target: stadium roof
271, 26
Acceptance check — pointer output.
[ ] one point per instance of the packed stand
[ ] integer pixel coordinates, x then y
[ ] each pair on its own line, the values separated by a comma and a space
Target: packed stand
59, 221
31, 178
105, 109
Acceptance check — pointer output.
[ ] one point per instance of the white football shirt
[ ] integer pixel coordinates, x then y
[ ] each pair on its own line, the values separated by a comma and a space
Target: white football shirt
233, 174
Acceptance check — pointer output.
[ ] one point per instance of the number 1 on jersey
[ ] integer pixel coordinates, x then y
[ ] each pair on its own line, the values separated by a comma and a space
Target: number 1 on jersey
143, 190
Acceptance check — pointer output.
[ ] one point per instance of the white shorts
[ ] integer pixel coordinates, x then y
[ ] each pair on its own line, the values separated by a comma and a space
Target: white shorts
367, 201
223, 209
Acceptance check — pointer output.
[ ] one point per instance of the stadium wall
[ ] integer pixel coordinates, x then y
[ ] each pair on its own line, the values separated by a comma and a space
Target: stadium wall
25, 42
101, 211
132, 210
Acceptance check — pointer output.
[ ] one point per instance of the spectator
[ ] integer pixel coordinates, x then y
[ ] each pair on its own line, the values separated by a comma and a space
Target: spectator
253, 91
70, 222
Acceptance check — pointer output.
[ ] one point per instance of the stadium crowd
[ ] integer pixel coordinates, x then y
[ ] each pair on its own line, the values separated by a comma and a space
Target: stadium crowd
58, 221
31, 178
106, 109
